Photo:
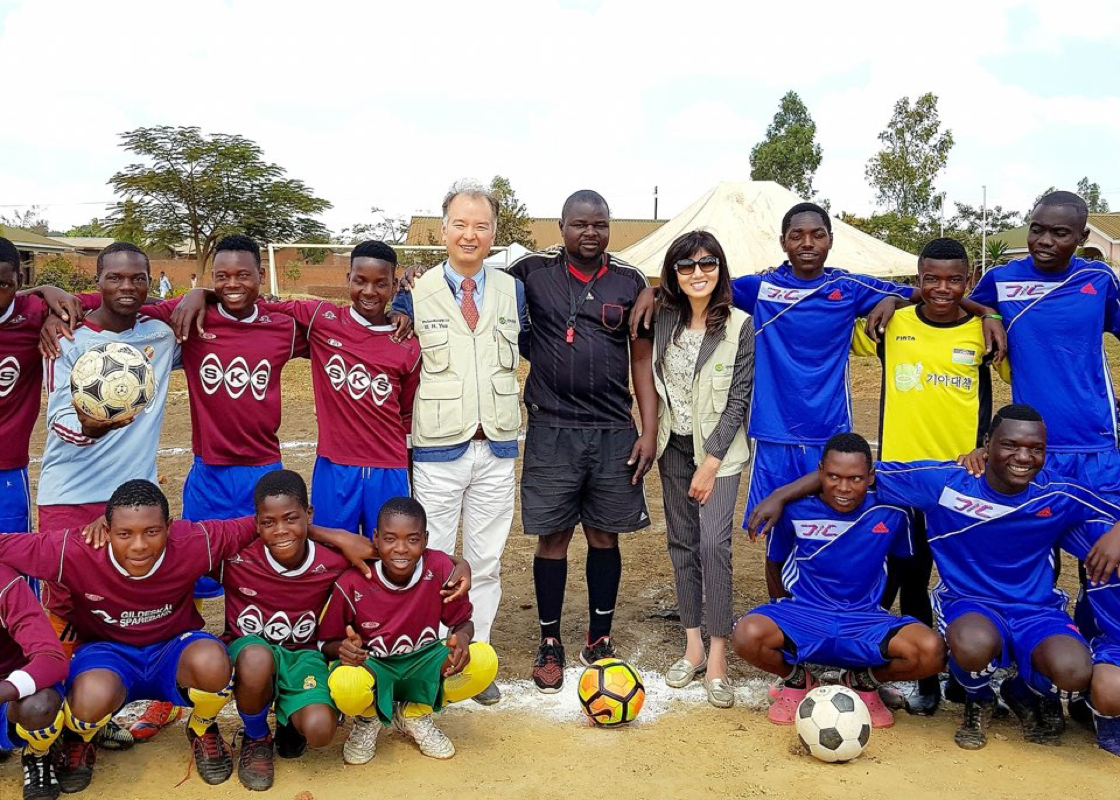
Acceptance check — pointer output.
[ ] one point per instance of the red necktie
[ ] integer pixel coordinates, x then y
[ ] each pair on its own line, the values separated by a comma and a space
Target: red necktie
470, 310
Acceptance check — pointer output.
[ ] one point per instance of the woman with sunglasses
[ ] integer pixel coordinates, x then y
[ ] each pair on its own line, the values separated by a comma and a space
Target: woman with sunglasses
704, 374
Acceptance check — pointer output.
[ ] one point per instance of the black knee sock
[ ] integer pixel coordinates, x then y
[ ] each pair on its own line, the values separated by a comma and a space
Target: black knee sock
604, 571
550, 577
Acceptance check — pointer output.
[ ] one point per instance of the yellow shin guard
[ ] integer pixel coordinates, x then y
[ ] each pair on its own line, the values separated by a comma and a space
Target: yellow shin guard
86, 730
39, 741
352, 690
476, 676
206, 707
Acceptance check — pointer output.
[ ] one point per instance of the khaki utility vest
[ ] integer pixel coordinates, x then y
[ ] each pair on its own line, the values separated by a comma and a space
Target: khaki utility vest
711, 384
467, 378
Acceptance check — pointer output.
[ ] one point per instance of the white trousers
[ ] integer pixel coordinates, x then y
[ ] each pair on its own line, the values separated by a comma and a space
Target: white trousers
478, 487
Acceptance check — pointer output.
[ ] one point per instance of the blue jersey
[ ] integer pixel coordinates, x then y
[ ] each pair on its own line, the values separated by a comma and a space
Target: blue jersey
990, 546
838, 560
803, 330
1055, 322
1104, 598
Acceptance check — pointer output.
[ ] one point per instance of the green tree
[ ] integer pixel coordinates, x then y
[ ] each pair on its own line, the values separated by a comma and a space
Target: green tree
789, 154
996, 252
30, 219
196, 188
127, 225
93, 228
915, 150
904, 232
967, 226
513, 217
1091, 194
61, 272
388, 229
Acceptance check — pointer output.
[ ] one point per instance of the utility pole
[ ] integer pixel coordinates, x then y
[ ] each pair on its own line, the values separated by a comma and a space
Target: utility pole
984, 235
941, 226
655, 202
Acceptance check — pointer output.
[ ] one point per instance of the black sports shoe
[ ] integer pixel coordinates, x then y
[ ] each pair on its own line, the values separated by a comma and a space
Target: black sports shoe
1053, 715
290, 743
601, 648
114, 737
1080, 711
548, 668
971, 735
1027, 707
255, 767
39, 780
75, 767
212, 755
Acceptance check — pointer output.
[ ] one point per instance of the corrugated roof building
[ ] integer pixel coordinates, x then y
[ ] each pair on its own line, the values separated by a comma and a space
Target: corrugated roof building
1103, 243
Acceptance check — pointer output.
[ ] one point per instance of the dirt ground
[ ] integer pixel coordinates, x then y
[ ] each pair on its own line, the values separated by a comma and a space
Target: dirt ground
531, 746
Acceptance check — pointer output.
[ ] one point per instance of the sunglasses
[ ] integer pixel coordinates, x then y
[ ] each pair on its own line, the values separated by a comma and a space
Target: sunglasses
686, 266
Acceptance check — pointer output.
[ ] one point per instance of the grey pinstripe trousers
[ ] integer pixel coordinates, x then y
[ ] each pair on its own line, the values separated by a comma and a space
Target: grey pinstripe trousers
699, 539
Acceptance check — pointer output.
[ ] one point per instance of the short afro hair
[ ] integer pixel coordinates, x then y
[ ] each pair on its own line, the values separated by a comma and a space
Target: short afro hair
589, 196
239, 243
1016, 411
402, 507
806, 208
122, 247
137, 493
9, 254
374, 249
848, 443
943, 249
1074, 201
281, 483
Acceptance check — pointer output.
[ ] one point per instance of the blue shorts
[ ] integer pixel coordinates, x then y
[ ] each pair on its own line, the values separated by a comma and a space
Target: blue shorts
15, 501
1106, 650
773, 465
9, 740
1021, 628
1098, 472
148, 673
220, 492
349, 497
834, 637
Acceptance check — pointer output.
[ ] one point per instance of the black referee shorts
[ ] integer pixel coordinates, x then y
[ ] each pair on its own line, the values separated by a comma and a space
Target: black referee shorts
572, 476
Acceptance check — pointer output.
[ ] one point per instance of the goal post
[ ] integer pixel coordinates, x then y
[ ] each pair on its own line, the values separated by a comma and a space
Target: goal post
499, 256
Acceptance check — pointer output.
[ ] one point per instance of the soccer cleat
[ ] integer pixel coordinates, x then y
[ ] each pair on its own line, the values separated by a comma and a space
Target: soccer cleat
923, 705
75, 767
290, 743
548, 669
114, 737
255, 768
1027, 707
212, 755
787, 698
1108, 734
422, 730
1052, 714
39, 780
490, 696
361, 745
157, 716
1080, 711
972, 735
601, 648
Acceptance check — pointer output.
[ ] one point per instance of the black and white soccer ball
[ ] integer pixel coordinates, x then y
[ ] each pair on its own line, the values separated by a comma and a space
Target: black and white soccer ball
112, 381
833, 724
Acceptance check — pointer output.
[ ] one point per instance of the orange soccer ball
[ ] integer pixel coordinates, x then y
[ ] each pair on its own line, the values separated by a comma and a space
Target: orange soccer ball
611, 692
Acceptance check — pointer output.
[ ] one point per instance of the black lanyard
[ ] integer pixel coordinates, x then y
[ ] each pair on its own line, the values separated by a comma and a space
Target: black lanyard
575, 304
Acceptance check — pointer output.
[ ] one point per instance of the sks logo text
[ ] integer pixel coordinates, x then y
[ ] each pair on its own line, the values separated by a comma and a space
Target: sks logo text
357, 380
237, 377
9, 375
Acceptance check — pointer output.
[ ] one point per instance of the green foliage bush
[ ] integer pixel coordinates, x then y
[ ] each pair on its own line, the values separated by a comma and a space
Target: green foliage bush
61, 272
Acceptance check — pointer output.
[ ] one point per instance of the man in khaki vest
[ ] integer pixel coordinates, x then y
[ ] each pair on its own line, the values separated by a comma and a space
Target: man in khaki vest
467, 413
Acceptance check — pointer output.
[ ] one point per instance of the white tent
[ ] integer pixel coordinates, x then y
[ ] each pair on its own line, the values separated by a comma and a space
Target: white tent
747, 220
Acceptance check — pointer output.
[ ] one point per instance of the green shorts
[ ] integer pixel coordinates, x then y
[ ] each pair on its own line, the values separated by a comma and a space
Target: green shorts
415, 677
299, 679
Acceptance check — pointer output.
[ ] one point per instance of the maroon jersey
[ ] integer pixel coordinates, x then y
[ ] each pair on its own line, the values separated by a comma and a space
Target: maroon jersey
233, 374
394, 619
21, 374
30, 655
364, 384
110, 605
280, 605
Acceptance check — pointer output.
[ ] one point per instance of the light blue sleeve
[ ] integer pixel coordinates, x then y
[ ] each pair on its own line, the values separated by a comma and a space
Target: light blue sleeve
62, 419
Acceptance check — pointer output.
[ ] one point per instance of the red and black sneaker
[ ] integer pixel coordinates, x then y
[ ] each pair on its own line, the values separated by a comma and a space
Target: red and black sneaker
157, 716
75, 767
601, 648
548, 669
212, 755
255, 768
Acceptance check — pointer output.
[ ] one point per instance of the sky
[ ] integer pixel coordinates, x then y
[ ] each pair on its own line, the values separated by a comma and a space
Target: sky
386, 104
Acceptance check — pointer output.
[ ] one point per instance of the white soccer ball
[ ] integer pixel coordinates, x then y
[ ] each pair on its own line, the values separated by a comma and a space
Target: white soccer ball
833, 724
112, 381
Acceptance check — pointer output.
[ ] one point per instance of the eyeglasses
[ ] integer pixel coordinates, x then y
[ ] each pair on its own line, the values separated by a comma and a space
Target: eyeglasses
686, 266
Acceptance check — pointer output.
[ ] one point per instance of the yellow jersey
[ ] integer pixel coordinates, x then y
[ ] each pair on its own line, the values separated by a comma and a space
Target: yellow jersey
936, 398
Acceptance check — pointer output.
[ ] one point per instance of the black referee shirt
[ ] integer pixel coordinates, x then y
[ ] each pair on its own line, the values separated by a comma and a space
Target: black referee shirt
585, 383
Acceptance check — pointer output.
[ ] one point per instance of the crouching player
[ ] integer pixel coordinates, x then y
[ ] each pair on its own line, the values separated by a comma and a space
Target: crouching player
32, 669
141, 632
992, 539
385, 630
826, 565
275, 590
